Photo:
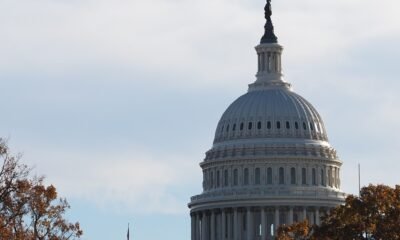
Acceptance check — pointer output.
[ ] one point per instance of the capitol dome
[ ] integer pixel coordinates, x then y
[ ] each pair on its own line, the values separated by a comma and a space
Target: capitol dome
270, 162
270, 113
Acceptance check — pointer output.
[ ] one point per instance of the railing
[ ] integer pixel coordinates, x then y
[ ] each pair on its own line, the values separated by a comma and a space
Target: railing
262, 193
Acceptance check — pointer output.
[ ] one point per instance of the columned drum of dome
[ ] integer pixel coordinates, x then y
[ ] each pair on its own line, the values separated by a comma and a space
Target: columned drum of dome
270, 163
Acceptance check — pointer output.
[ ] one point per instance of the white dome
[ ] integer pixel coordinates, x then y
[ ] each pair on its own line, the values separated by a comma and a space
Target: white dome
270, 113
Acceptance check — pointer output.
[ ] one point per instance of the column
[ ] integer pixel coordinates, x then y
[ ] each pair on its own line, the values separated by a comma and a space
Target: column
263, 223
193, 224
290, 215
198, 226
229, 227
203, 226
276, 224
223, 226
249, 229
240, 224
212, 225
235, 224
317, 217
304, 213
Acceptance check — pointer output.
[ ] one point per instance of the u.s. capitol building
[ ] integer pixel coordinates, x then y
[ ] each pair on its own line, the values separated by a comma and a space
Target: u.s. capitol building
270, 163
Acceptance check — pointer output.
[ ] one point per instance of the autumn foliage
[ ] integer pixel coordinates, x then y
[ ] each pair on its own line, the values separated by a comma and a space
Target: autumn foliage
29, 210
375, 214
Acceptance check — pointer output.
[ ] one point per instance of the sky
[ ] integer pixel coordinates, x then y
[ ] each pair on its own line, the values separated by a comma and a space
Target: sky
115, 102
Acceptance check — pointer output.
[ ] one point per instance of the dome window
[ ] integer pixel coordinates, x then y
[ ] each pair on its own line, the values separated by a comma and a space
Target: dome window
250, 125
226, 178
311, 126
329, 180
278, 125
218, 179
235, 177
259, 125
227, 128
212, 180
269, 125
304, 126
287, 125
269, 175
234, 127
222, 129
296, 125
258, 176
304, 176
281, 175
241, 126
246, 176
293, 176
314, 177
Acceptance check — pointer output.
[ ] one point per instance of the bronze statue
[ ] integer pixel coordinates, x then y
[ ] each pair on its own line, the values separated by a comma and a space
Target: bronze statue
268, 10
269, 36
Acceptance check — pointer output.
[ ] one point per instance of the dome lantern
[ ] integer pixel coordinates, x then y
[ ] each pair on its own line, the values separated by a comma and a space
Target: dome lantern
269, 54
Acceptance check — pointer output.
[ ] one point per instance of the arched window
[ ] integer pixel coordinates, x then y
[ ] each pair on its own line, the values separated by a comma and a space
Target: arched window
218, 178
287, 125
222, 129
311, 126
212, 179
205, 180
303, 176
278, 125
281, 175
296, 125
269, 125
322, 177
226, 176
304, 126
269, 175
235, 177
259, 125
250, 125
293, 175
241, 126
227, 128
329, 177
258, 176
334, 177
246, 176
314, 177
234, 127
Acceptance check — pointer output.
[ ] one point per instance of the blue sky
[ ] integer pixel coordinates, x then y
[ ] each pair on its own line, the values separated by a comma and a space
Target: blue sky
115, 102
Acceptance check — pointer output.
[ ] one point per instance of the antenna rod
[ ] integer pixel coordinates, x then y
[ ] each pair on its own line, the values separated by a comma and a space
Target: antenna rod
359, 180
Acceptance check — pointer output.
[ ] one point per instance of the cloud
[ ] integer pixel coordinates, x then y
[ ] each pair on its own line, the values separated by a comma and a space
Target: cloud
101, 71
136, 181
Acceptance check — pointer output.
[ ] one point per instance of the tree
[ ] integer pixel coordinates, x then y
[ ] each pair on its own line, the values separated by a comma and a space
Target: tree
375, 214
29, 210
299, 231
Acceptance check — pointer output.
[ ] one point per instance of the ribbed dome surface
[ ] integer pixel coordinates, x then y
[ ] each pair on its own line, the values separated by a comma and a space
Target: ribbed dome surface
275, 112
